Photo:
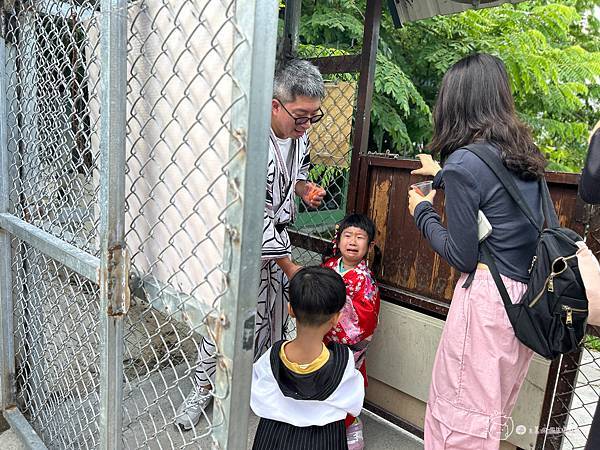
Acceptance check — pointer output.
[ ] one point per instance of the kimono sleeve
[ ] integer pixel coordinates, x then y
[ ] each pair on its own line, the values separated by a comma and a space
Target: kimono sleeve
362, 316
275, 244
304, 143
366, 304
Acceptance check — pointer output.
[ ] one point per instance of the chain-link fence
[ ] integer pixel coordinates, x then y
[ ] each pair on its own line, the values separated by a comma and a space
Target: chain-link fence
574, 398
584, 384
133, 125
56, 344
53, 173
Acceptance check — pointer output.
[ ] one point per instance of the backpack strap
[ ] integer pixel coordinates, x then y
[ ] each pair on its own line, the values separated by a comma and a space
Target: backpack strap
495, 164
483, 152
548, 206
489, 260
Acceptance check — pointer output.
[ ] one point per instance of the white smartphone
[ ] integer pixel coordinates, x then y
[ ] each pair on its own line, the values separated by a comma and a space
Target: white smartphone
484, 227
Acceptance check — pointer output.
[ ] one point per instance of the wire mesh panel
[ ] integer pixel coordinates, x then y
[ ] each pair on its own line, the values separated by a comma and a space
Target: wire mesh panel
52, 170
94, 367
585, 395
56, 349
51, 133
179, 135
574, 398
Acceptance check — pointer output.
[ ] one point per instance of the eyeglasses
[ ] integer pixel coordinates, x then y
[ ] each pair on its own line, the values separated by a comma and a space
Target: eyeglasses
303, 120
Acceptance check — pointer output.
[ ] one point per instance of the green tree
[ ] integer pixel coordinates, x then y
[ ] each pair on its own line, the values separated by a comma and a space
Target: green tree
551, 50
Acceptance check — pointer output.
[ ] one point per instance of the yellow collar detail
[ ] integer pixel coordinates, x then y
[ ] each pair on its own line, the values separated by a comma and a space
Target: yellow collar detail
304, 369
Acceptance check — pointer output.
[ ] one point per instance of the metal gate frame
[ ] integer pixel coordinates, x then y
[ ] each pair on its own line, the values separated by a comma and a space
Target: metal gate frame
233, 326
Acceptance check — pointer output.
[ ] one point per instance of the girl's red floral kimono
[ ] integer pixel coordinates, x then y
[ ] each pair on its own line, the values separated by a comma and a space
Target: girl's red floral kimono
360, 314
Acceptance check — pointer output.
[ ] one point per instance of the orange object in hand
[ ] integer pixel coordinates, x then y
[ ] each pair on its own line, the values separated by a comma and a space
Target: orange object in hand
315, 191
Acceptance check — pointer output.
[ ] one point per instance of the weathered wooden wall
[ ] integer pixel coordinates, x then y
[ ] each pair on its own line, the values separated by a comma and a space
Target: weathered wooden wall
411, 273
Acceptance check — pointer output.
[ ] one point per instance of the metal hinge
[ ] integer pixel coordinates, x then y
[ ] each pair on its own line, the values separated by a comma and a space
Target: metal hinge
119, 296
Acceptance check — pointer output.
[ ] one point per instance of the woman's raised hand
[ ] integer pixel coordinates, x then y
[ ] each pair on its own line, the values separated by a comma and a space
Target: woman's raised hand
429, 166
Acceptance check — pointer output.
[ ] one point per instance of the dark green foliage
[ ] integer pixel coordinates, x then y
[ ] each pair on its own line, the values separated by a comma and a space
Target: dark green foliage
551, 50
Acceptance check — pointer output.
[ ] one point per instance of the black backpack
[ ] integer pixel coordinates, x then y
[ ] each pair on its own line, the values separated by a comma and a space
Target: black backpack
551, 316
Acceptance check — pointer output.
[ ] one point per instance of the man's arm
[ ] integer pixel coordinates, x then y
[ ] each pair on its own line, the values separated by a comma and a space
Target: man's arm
288, 267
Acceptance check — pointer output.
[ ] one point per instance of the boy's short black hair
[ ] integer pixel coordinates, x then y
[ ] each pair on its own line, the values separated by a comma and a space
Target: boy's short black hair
316, 294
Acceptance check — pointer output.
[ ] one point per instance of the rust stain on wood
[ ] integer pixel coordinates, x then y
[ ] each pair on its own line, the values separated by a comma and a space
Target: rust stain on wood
380, 197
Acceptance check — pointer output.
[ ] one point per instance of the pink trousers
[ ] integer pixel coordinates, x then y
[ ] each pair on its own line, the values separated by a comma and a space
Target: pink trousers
478, 370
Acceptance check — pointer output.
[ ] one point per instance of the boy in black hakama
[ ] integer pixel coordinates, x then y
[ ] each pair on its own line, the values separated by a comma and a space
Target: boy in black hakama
302, 390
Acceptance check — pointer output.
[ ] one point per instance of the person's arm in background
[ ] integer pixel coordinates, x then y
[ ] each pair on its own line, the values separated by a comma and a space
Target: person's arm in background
288, 266
590, 177
589, 186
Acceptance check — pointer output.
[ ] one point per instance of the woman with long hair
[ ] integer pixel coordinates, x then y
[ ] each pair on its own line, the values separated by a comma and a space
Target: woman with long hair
480, 365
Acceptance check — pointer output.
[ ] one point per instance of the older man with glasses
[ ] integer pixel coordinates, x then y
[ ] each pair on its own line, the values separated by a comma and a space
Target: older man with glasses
298, 89
297, 93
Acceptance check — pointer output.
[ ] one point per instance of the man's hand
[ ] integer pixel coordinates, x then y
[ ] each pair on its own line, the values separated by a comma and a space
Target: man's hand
428, 166
310, 193
414, 198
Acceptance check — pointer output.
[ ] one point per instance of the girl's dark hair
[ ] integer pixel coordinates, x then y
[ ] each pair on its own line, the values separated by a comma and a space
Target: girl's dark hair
316, 294
359, 221
475, 103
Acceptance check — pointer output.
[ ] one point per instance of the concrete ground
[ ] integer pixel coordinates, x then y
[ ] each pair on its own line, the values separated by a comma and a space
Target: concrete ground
10, 441
148, 421
149, 410
379, 435
8, 438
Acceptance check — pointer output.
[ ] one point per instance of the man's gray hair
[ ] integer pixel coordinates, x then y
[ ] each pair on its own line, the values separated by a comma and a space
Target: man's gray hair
297, 77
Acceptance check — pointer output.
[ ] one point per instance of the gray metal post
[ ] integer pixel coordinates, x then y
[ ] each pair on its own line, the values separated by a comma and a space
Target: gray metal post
289, 43
366, 85
114, 268
257, 21
7, 351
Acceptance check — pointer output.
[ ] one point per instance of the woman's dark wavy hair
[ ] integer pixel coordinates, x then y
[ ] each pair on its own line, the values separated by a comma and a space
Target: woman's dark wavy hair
475, 103
359, 221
